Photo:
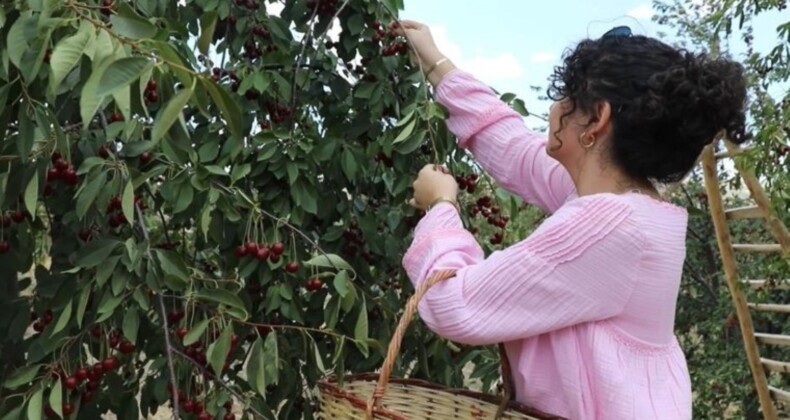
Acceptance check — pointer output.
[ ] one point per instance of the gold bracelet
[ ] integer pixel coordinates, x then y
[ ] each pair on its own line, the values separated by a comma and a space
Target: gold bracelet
444, 200
435, 65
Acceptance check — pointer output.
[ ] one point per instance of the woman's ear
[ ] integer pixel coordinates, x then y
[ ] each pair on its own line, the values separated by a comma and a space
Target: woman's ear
599, 126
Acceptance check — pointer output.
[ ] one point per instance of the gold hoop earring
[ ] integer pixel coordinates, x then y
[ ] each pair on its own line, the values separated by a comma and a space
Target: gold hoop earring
586, 145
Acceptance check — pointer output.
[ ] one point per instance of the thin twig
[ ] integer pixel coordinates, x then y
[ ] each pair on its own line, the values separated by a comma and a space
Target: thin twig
165, 327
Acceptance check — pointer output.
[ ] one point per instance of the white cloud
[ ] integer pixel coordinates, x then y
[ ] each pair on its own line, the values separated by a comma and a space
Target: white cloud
643, 11
543, 57
488, 67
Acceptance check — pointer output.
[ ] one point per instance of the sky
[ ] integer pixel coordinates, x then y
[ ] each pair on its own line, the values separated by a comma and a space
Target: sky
512, 44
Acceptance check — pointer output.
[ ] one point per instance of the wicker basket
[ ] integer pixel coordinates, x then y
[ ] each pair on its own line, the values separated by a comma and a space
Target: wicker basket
376, 395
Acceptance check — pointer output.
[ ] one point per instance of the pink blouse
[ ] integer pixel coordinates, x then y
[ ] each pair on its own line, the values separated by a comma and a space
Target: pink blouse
586, 304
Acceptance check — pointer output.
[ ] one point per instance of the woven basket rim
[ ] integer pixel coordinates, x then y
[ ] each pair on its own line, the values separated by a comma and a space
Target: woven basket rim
329, 385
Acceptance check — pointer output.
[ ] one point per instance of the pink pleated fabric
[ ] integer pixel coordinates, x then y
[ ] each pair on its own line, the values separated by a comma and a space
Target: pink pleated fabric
585, 304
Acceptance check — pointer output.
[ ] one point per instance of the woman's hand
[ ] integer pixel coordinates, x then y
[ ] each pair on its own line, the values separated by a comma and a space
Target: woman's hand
433, 183
427, 52
421, 40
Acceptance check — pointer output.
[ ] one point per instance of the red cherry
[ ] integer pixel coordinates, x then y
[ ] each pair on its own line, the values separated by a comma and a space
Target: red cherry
252, 248
241, 251
85, 234
151, 85
181, 332
104, 152
262, 254
81, 374
234, 340
145, 157
292, 267
228, 404
49, 412
53, 174
274, 258
229, 416
55, 156
71, 382
70, 176
199, 408
109, 363
92, 385
4, 247
38, 326
126, 347
18, 216
96, 331
314, 284
204, 416
188, 406
68, 409
278, 248
48, 316
61, 164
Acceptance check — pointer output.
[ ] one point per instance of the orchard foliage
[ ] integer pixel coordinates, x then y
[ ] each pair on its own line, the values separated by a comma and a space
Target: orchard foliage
203, 204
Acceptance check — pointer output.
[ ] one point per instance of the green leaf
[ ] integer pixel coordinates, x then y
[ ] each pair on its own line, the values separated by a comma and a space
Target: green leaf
405, 133
218, 351
90, 101
131, 324
87, 195
361, 327
16, 41
67, 53
63, 319
255, 363
34, 407
127, 201
329, 260
207, 24
132, 25
234, 304
341, 283
105, 269
121, 73
96, 251
196, 332
22, 376
271, 356
56, 397
348, 164
173, 264
170, 113
107, 306
82, 305
239, 172
227, 105
31, 195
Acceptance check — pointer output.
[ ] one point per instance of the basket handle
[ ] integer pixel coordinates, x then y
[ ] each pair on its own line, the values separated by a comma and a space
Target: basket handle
397, 338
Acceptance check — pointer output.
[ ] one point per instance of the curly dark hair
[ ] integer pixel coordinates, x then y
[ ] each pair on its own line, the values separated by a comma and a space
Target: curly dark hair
667, 103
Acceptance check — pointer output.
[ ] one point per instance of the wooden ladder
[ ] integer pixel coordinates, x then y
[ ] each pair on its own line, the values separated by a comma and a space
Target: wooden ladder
771, 398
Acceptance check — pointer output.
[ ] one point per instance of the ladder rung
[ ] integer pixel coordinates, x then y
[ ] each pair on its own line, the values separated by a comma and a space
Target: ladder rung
779, 394
775, 365
770, 285
748, 212
770, 307
772, 339
736, 151
757, 247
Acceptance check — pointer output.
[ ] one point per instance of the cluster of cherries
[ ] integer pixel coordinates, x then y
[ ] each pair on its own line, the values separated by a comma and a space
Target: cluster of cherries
248, 4
326, 8
151, 95
484, 206
383, 158
17, 216
277, 112
198, 408
264, 251
89, 377
353, 239
467, 182
62, 170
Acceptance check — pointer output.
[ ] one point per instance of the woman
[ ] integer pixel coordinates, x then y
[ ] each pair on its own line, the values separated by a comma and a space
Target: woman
585, 305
